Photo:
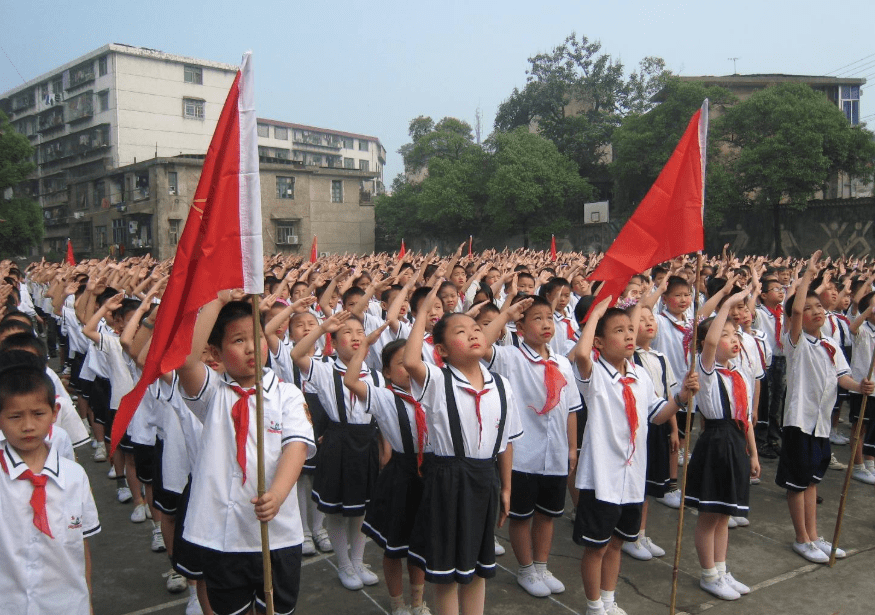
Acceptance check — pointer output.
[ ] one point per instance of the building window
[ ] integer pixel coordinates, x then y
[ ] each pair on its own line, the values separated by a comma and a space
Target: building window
193, 74
193, 108
285, 187
102, 66
172, 182
347, 143
336, 191
99, 237
286, 233
364, 165
263, 130
348, 163
118, 232
363, 145
103, 100
175, 227
280, 133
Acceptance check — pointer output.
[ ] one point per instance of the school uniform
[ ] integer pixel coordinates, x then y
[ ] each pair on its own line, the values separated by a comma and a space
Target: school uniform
814, 366
540, 461
348, 461
68, 418
658, 474
224, 483
672, 339
566, 334
289, 372
611, 469
43, 574
772, 324
864, 345
453, 535
718, 479
838, 327
393, 506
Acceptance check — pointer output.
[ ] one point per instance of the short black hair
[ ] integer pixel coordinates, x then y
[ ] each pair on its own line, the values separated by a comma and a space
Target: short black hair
351, 293
230, 312
552, 284
582, 308
389, 351
440, 327
386, 294
416, 298
536, 301
22, 373
127, 306
788, 304
675, 281
12, 325
105, 296
610, 313
27, 342
865, 302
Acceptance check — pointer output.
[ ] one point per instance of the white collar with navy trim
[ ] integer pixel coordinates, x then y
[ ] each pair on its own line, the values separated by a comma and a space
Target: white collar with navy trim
16, 466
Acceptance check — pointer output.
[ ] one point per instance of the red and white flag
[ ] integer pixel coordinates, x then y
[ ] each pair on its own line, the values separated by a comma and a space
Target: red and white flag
221, 245
70, 260
669, 220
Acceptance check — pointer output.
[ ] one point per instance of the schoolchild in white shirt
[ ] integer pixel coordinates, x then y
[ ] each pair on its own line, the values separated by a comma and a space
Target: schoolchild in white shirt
815, 368
621, 400
557, 292
392, 510
348, 463
432, 314
863, 331
223, 487
46, 559
547, 403
472, 420
769, 318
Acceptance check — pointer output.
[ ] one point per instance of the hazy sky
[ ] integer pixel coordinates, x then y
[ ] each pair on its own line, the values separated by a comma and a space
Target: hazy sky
372, 67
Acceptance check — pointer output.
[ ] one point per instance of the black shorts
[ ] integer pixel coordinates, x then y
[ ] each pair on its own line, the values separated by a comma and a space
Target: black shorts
596, 521
236, 580
125, 445
164, 500
804, 459
99, 401
144, 462
536, 492
867, 433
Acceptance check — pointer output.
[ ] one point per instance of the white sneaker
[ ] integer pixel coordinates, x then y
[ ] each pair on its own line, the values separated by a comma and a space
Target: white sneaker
672, 499
533, 584
66, 371
100, 452
636, 550
139, 514
158, 545
809, 551
681, 459
741, 521
93, 443
553, 584
194, 606
719, 588
863, 475
826, 547
402, 610
420, 610
348, 578
838, 439
322, 541
754, 480
835, 464
615, 610
308, 547
499, 549
732, 523
364, 573
741, 588
112, 473
124, 495
655, 551
176, 583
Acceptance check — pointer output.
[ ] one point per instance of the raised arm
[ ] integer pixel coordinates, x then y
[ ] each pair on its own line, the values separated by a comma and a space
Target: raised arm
581, 354
512, 313
800, 297
413, 348
301, 351
709, 344
273, 342
193, 373
352, 379
109, 306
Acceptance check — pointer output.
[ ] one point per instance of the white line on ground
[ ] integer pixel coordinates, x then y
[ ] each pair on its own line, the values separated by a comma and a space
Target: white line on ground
160, 607
551, 598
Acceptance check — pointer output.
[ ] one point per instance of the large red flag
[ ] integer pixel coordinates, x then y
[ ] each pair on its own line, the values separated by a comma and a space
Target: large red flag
221, 245
70, 260
668, 222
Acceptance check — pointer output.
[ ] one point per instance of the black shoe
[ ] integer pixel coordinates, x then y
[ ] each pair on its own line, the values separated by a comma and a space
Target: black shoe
776, 448
766, 452
819, 500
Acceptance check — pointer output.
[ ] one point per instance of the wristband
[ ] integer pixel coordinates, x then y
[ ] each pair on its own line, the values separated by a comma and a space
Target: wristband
148, 325
679, 402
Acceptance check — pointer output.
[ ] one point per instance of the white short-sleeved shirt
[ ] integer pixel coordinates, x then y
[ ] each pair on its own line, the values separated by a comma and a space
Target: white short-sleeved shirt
608, 463
709, 399
78, 341
381, 403
749, 359
221, 516
42, 574
669, 341
561, 343
838, 328
812, 383
659, 369
68, 418
864, 344
177, 469
322, 378
765, 322
374, 360
763, 347
119, 370
543, 448
477, 444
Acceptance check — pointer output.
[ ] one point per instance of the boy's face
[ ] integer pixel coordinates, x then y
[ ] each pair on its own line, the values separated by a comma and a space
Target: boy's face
404, 276
492, 276
238, 349
647, 327
348, 339
784, 277
813, 316
434, 314
618, 340
299, 291
829, 297
449, 298
678, 299
773, 295
458, 277
578, 284
564, 293
537, 326
526, 285
301, 326
393, 294
26, 419
657, 279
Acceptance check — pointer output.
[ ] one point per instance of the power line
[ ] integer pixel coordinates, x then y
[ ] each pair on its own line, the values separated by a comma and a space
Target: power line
857, 69
13, 65
851, 64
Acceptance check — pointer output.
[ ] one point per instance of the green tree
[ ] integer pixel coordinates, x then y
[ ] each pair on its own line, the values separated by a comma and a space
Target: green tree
23, 226
785, 143
449, 138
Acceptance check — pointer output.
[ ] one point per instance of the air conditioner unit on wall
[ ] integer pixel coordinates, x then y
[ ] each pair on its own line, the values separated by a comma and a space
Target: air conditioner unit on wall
292, 239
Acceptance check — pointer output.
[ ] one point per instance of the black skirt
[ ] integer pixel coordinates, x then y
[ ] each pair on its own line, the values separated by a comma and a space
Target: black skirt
346, 469
454, 533
320, 421
392, 510
718, 479
658, 451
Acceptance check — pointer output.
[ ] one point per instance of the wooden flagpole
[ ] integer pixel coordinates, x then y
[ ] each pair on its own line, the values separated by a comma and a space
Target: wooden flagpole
259, 428
690, 407
855, 442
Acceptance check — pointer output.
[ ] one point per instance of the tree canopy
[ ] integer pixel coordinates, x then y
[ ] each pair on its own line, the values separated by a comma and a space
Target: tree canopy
23, 226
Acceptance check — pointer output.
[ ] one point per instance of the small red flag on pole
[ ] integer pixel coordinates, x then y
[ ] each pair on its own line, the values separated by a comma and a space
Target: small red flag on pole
70, 260
552, 247
314, 252
403, 250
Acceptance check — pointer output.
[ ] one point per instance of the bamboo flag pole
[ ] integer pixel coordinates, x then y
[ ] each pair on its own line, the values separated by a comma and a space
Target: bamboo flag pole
687, 428
855, 442
259, 428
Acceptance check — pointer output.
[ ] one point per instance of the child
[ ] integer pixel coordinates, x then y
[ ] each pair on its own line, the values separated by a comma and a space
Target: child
558, 293
472, 420
398, 491
223, 483
611, 469
815, 365
48, 509
863, 330
718, 481
770, 319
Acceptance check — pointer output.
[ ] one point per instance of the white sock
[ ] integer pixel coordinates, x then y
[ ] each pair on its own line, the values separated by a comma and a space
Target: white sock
720, 566
357, 540
859, 466
192, 590
641, 535
607, 599
595, 606
525, 571
540, 567
303, 496
709, 575
336, 526
870, 464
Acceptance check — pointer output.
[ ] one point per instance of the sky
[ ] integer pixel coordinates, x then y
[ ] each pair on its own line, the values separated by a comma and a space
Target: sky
372, 67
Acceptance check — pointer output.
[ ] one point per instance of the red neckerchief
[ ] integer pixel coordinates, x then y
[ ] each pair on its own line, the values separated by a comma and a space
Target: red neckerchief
435, 355
570, 333
421, 425
778, 314
631, 412
762, 354
739, 397
829, 350
37, 498
329, 347
553, 381
240, 418
477, 395
832, 325
686, 330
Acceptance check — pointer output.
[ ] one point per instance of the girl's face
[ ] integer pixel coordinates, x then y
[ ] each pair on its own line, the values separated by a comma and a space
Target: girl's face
578, 285
348, 339
564, 297
464, 341
729, 345
647, 327
480, 297
740, 315
617, 342
449, 298
845, 303
678, 300
458, 277
813, 316
492, 276
434, 314
829, 298
404, 276
363, 282
335, 299
633, 290
395, 372
302, 325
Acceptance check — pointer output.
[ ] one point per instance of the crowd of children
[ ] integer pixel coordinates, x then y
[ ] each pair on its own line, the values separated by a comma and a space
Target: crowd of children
422, 402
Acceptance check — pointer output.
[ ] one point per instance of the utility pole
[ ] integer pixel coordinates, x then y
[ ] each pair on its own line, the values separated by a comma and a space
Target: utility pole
734, 71
477, 116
